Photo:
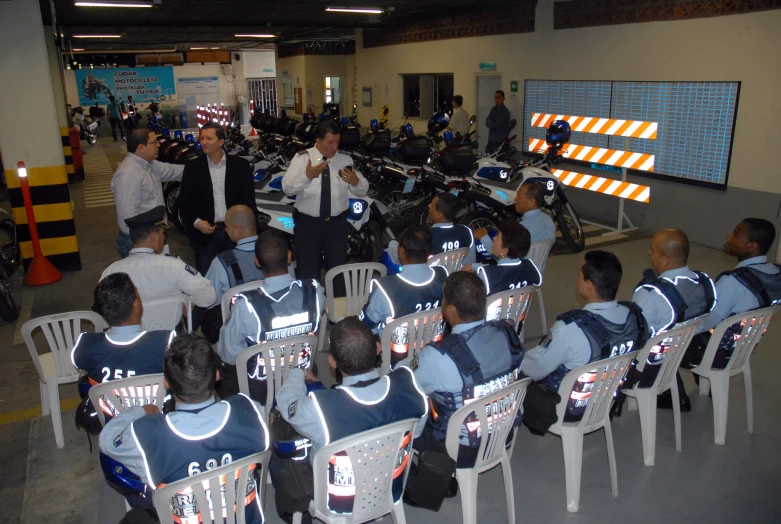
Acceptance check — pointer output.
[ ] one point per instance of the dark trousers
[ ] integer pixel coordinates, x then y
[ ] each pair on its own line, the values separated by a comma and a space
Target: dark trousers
492, 146
316, 237
205, 253
116, 123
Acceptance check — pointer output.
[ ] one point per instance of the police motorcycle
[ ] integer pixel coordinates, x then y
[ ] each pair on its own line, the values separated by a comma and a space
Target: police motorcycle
9, 262
88, 127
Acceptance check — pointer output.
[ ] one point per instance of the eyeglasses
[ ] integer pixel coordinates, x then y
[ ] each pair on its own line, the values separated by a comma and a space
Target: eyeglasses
153, 143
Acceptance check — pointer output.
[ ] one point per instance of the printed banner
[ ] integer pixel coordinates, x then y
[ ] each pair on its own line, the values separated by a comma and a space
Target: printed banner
144, 84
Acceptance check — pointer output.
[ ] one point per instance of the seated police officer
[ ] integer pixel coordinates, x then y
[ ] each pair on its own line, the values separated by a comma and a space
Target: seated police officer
754, 283
199, 435
417, 288
279, 308
470, 362
364, 401
604, 328
125, 350
156, 275
232, 267
670, 293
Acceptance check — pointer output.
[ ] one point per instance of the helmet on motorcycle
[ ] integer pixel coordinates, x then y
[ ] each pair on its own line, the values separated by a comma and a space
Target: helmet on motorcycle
198, 147
438, 122
282, 113
407, 130
166, 132
448, 136
387, 261
345, 121
559, 133
178, 134
374, 125
305, 116
323, 117
189, 138
120, 478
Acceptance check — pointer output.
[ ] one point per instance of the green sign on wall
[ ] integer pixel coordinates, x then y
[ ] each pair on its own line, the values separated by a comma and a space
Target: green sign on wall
514, 86
487, 66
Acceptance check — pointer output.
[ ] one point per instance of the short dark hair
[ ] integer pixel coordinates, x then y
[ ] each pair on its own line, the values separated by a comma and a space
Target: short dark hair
466, 292
139, 135
140, 234
218, 130
113, 298
603, 269
516, 238
536, 192
448, 205
458, 99
189, 366
325, 127
761, 231
353, 346
416, 241
271, 251
111, 98
500, 92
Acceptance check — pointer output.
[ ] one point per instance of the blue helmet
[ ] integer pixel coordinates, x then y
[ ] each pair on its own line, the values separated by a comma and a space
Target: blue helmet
407, 130
189, 138
178, 134
120, 478
323, 117
559, 133
166, 132
448, 136
282, 113
374, 125
198, 147
387, 261
345, 120
306, 117
438, 121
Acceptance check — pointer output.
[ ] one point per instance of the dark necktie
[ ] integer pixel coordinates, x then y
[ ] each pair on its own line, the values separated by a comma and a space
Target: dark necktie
325, 192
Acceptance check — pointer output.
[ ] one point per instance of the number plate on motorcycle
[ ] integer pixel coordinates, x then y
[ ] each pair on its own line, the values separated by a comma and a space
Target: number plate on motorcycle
408, 185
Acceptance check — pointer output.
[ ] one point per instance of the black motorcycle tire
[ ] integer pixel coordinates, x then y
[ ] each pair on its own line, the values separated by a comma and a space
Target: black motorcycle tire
92, 139
171, 197
482, 219
569, 224
393, 195
8, 310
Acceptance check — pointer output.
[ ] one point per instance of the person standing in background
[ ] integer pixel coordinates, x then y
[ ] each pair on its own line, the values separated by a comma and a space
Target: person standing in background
459, 122
115, 117
498, 123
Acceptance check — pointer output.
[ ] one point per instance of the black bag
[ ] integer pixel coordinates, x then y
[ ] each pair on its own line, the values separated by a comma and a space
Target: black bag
211, 322
140, 516
539, 408
294, 484
86, 417
428, 482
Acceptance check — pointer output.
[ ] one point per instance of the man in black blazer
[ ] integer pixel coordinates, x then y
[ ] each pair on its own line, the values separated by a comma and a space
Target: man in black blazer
212, 184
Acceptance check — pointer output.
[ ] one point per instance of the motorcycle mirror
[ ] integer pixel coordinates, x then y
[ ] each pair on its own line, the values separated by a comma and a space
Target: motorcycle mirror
513, 123
355, 107
472, 119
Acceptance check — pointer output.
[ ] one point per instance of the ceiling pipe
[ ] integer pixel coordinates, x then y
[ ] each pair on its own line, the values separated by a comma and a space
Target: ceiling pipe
119, 51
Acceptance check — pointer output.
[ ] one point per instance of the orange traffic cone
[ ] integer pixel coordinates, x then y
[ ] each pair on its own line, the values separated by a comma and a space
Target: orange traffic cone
41, 271
252, 132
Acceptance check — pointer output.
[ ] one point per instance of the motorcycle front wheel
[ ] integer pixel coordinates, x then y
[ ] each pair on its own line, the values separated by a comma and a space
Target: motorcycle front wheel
8, 310
483, 219
401, 208
91, 139
569, 225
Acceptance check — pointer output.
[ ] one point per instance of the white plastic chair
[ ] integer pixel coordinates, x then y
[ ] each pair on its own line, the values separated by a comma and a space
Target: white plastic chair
609, 374
450, 260
165, 312
201, 490
512, 305
225, 301
422, 328
503, 406
55, 367
538, 253
282, 362
373, 455
126, 393
679, 339
717, 380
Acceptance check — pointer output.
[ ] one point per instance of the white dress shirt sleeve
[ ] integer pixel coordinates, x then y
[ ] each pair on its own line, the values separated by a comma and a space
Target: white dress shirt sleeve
295, 179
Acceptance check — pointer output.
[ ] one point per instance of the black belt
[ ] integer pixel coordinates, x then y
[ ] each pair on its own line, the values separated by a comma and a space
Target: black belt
298, 214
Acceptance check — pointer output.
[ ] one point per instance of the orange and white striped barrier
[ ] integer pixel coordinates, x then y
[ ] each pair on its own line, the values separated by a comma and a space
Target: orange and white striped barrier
600, 126
606, 186
600, 155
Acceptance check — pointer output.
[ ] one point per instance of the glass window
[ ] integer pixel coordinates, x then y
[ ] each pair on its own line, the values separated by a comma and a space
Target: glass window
425, 94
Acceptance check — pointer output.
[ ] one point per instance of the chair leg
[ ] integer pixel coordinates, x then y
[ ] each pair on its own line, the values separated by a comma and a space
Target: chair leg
467, 485
572, 445
646, 405
44, 399
297, 516
720, 390
509, 493
749, 397
675, 394
611, 458
632, 404
54, 407
704, 385
398, 513
543, 321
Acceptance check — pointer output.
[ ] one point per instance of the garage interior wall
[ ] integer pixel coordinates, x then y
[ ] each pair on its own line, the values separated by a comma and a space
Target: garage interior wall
308, 73
744, 48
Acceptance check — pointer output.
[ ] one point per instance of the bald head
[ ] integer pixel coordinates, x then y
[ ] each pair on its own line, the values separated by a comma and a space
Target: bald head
240, 223
669, 250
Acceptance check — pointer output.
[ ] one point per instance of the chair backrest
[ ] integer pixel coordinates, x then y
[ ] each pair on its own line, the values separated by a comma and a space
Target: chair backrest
676, 340
166, 311
512, 304
225, 302
752, 326
496, 414
199, 492
61, 332
117, 396
357, 281
373, 458
450, 260
422, 327
608, 375
538, 252
282, 361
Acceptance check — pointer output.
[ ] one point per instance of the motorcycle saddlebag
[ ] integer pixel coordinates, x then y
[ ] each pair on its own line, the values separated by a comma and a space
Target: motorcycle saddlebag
456, 160
350, 138
378, 142
414, 150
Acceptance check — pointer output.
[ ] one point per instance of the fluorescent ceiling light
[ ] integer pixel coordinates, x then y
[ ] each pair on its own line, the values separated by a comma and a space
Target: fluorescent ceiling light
77, 49
214, 48
365, 10
198, 48
255, 36
97, 36
110, 4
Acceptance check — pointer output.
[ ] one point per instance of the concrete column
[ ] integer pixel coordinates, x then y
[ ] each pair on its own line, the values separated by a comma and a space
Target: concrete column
56, 76
32, 134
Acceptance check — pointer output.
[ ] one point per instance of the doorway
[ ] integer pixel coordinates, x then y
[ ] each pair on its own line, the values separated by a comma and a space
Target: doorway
335, 91
487, 85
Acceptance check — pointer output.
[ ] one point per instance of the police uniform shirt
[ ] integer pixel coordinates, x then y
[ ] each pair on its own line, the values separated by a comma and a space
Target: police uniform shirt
302, 412
567, 344
508, 273
295, 182
218, 273
449, 236
657, 310
734, 297
244, 325
159, 275
539, 224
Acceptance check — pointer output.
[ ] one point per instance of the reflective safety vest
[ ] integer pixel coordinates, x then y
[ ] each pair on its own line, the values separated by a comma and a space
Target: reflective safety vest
240, 266
448, 238
513, 275
606, 339
488, 357
170, 455
343, 413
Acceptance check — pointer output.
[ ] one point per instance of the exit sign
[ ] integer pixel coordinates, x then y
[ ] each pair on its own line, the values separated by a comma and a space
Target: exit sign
487, 66
514, 86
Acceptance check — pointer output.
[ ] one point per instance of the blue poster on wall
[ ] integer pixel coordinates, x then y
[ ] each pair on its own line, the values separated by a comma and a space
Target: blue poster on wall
144, 84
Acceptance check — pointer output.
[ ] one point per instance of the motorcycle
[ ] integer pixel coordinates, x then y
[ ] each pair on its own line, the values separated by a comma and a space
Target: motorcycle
9, 262
89, 130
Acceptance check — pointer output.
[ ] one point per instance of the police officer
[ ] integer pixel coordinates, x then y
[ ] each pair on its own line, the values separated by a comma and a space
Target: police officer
201, 434
469, 363
364, 401
604, 328
446, 236
153, 274
321, 177
417, 288
670, 293
279, 308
